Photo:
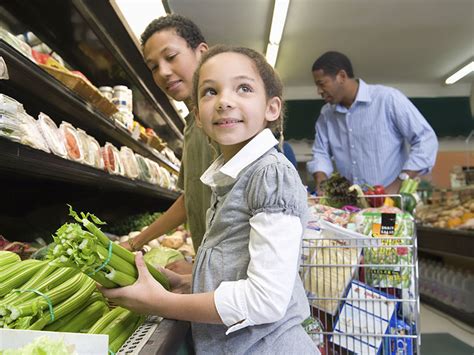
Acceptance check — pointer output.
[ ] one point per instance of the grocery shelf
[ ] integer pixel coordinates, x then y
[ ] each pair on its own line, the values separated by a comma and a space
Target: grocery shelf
20, 160
105, 19
445, 241
463, 316
31, 80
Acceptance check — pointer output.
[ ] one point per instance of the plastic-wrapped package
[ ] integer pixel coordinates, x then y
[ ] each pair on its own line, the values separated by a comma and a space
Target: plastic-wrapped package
10, 106
166, 178
71, 142
144, 171
111, 157
155, 172
129, 162
52, 135
10, 127
95, 153
84, 143
30, 133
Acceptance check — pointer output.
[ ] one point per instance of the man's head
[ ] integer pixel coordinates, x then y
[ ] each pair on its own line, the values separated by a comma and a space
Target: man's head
172, 47
333, 74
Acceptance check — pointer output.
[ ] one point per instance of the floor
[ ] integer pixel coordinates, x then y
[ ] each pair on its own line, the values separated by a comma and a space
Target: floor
442, 334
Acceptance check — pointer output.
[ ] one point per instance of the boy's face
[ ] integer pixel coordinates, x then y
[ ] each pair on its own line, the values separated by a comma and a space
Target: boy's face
232, 103
172, 62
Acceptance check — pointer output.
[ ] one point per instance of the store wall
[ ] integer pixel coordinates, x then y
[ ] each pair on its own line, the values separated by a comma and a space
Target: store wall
451, 153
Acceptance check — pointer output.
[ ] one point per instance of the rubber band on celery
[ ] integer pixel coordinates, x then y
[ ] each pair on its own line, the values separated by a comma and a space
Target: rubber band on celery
109, 256
48, 300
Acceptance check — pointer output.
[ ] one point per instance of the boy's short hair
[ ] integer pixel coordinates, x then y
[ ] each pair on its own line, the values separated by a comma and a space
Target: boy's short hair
183, 26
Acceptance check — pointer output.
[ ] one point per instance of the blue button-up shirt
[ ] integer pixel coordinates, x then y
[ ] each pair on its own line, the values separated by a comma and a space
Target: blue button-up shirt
380, 135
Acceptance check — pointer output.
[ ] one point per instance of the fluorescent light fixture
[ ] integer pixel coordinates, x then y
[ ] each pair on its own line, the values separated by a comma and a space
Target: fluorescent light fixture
139, 13
461, 73
276, 30
272, 53
278, 21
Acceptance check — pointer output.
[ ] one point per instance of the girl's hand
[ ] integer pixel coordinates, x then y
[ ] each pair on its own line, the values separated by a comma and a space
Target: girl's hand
145, 296
179, 283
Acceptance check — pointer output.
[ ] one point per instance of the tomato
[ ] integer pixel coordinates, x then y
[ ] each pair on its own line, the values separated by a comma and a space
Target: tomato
376, 190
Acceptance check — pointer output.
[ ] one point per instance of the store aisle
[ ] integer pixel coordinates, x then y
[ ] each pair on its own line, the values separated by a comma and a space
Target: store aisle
442, 334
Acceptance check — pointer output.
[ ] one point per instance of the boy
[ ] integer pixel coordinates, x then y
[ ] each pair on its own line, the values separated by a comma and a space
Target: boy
172, 47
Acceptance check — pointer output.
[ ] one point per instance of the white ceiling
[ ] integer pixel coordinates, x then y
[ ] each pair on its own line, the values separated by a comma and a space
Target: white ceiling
410, 44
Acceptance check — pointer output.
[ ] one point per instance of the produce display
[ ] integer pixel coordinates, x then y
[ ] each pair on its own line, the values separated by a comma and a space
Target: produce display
91, 252
452, 215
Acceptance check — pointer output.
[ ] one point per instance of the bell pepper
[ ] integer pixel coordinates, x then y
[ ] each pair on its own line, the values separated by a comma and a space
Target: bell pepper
376, 190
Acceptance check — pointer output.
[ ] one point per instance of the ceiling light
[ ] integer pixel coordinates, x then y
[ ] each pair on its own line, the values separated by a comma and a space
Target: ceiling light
276, 30
272, 53
461, 73
139, 13
278, 21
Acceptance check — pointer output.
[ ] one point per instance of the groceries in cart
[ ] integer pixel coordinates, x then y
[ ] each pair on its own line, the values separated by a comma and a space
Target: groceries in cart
358, 268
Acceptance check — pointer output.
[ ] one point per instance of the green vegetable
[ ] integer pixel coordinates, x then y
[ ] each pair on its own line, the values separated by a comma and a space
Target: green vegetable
336, 191
19, 276
42, 346
7, 258
88, 251
105, 320
132, 223
162, 256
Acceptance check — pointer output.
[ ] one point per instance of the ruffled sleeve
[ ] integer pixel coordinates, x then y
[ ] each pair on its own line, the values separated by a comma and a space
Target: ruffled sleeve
275, 188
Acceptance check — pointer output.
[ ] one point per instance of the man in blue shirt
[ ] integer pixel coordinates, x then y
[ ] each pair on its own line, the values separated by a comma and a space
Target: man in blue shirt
372, 134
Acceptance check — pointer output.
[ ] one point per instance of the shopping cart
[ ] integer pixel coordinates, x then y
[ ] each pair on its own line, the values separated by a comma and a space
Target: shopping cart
362, 282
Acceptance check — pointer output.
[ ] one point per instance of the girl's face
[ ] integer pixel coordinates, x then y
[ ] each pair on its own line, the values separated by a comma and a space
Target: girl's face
172, 62
232, 105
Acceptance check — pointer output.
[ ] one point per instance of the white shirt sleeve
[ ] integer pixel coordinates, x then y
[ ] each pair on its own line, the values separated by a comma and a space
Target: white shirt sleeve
274, 247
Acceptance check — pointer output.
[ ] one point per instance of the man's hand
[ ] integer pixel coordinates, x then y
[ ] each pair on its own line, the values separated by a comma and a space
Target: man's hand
181, 267
319, 177
394, 187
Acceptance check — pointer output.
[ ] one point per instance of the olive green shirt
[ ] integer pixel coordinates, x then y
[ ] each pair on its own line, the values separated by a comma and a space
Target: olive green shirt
198, 155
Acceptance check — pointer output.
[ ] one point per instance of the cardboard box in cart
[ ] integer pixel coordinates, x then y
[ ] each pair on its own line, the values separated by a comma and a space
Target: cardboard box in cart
85, 344
370, 311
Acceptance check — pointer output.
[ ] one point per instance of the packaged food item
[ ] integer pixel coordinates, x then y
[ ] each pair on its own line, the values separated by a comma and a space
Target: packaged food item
95, 153
31, 134
84, 143
107, 91
52, 135
110, 155
122, 97
10, 127
129, 162
10, 106
71, 142
144, 170
333, 257
166, 178
393, 233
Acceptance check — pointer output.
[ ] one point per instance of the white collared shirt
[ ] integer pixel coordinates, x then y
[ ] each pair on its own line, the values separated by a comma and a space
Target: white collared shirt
264, 296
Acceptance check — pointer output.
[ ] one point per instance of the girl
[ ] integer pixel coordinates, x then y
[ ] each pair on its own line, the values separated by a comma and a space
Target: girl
247, 297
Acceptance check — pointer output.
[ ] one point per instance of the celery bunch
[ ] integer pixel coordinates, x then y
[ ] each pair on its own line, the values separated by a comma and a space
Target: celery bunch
61, 294
119, 324
90, 251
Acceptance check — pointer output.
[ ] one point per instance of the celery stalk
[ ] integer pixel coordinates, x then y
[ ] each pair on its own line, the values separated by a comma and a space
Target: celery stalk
125, 333
104, 321
77, 300
20, 277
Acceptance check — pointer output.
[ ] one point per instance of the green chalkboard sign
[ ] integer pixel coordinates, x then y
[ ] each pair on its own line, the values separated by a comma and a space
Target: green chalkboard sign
449, 116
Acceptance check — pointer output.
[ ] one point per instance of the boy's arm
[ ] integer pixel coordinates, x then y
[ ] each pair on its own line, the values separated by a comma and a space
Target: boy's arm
172, 218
